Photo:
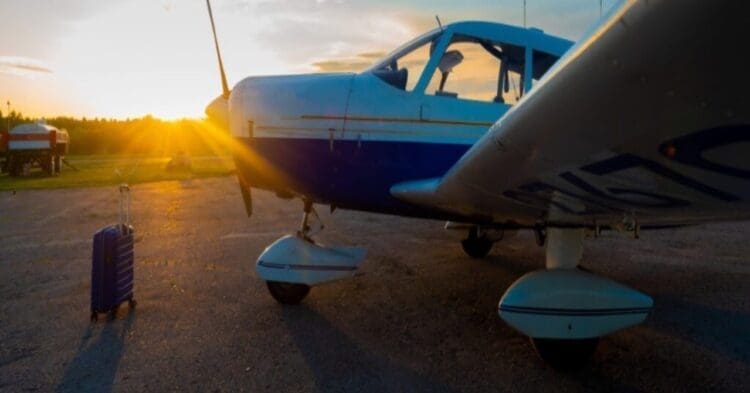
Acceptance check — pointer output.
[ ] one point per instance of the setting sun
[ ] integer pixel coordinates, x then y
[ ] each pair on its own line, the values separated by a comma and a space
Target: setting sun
129, 59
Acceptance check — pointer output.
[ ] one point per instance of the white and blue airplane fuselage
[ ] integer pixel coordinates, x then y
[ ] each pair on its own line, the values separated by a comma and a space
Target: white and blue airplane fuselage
345, 139
643, 124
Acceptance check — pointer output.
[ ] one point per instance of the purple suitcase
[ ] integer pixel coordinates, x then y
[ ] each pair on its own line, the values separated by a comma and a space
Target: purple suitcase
112, 265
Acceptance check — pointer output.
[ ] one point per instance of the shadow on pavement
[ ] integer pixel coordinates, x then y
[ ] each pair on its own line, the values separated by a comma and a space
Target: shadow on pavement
95, 364
718, 330
339, 364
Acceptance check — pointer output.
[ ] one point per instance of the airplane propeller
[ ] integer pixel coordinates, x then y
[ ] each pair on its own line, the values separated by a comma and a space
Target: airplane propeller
218, 110
224, 86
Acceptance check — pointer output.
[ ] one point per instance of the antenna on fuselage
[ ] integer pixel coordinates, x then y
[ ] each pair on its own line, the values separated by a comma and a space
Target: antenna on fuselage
600, 9
224, 86
524, 13
440, 25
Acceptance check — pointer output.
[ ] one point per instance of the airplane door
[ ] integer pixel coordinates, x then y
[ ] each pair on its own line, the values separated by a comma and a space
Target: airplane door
380, 125
388, 133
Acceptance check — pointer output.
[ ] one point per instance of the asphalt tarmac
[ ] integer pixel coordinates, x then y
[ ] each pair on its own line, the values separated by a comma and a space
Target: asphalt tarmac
420, 316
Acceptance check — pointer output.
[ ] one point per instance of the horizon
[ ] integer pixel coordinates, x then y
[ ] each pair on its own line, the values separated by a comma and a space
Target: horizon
136, 58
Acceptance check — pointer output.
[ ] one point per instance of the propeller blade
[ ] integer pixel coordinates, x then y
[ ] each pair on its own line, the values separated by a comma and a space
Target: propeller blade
247, 198
224, 86
218, 110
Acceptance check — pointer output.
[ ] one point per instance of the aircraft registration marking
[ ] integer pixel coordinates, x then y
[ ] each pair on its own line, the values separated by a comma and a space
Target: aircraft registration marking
688, 150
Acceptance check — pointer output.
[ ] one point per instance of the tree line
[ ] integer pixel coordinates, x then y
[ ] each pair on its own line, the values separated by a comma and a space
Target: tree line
140, 136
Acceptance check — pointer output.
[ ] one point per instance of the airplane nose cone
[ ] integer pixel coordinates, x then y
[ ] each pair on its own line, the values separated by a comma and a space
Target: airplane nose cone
218, 111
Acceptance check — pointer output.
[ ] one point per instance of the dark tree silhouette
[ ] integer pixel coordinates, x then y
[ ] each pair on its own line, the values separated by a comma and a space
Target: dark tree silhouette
141, 136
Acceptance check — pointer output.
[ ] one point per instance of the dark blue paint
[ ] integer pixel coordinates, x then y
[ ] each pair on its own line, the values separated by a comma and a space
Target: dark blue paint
628, 161
283, 266
357, 175
662, 201
540, 201
593, 206
575, 312
689, 149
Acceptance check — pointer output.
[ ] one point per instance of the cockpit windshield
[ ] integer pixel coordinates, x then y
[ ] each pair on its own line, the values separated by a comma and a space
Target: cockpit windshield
403, 67
478, 61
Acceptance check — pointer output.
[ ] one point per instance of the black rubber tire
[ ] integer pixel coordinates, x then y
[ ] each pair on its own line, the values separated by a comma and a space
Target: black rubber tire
18, 168
475, 246
48, 165
565, 355
287, 293
12, 166
58, 164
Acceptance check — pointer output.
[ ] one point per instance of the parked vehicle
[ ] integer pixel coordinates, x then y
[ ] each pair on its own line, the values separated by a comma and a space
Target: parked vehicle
34, 144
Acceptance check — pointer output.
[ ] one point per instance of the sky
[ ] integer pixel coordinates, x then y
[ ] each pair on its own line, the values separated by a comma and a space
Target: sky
129, 58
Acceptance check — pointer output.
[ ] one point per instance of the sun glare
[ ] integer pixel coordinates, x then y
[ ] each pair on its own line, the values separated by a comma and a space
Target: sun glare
130, 59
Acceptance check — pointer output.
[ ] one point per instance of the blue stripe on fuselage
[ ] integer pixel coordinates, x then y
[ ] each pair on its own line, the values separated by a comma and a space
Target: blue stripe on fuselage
357, 174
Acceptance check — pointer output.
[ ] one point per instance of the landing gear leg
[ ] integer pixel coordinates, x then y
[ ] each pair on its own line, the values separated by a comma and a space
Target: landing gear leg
564, 248
564, 251
305, 229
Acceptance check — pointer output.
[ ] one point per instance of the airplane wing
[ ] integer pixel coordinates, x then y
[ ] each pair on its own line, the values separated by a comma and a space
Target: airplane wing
646, 120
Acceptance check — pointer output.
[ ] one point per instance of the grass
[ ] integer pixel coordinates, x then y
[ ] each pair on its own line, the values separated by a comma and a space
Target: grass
94, 171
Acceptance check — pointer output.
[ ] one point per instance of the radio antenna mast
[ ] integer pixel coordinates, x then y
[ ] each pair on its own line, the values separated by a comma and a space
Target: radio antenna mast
524, 13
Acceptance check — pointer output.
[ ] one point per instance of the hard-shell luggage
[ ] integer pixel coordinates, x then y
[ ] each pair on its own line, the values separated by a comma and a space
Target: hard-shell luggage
112, 263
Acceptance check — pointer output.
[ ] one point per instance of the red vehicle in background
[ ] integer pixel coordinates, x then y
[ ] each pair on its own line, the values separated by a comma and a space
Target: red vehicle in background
33, 144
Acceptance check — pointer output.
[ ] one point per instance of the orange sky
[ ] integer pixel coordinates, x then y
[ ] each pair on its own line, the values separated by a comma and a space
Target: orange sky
135, 57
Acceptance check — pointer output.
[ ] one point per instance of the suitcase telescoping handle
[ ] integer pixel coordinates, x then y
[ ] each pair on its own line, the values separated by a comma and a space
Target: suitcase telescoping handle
124, 207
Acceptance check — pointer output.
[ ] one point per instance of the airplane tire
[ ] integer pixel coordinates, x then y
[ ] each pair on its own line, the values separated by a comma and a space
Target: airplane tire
287, 293
475, 246
565, 355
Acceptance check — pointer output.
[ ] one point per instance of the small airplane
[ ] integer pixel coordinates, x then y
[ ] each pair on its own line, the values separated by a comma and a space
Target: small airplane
641, 125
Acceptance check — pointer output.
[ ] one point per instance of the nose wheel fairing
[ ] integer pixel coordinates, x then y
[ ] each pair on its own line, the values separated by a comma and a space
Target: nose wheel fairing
295, 260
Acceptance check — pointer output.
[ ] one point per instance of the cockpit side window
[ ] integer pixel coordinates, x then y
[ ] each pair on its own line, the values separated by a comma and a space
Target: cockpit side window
480, 70
403, 67
542, 63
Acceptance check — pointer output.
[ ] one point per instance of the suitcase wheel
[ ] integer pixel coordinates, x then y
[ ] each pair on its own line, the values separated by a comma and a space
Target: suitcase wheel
132, 303
94, 316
